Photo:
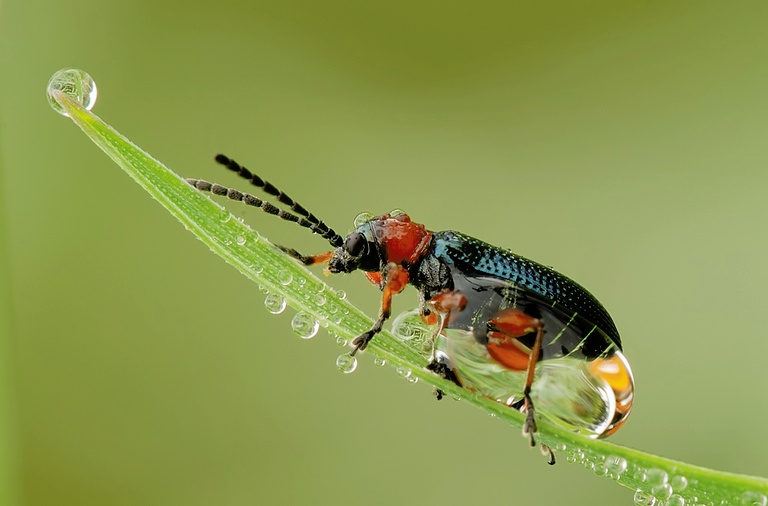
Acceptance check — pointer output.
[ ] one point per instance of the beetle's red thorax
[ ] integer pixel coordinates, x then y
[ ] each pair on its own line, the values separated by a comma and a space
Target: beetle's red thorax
402, 240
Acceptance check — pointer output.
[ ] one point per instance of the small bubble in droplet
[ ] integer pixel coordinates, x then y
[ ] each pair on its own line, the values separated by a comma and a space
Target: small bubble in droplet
341, 294
663, 491
678, 483
240, 240
285, 277
379, 362
224, 216
675, 500
304, 325
752, 498
346, 363
74, 83
275, 303
643, 498
656, 477
616, 464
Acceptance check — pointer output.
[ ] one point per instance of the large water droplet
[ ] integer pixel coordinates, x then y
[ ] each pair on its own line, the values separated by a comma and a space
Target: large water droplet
643, 498
304, 325
76, 84
663, 491
274, 303
346, 363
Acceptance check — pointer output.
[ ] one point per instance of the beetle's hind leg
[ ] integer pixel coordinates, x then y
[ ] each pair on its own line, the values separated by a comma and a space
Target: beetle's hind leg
447, 303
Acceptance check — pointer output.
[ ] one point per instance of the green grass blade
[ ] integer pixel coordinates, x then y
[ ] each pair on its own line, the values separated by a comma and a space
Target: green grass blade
667, 480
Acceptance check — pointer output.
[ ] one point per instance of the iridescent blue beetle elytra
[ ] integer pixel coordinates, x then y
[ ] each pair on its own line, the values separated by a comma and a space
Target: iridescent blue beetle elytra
505, 327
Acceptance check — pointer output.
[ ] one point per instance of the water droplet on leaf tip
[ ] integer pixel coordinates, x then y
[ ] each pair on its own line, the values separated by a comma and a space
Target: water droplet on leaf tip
74, 83
275, 303
346, 363
304, 325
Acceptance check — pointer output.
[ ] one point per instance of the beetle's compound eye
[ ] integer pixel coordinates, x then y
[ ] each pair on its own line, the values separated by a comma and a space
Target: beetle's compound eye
354, 244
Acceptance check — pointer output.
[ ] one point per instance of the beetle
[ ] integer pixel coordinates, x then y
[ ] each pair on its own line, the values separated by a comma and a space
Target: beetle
497, 314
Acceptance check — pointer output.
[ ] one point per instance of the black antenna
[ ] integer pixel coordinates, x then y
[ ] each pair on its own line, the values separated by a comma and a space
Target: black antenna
306, 220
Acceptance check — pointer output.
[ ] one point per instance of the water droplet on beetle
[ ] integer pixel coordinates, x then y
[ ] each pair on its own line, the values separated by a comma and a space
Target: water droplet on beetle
346, 363
362, 219
304, 325
275, 303
643, 498
74, 83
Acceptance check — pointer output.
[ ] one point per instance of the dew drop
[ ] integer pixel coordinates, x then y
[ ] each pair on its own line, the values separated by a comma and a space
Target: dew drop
656, 477
403, 372
274, 303
346, 363
752, 498
341, 341
362, 219
600, 469
578, 454
678, 483
74, 83
285, 277
640, 475
304, 325
240, 240
643, 498
616, 464
258, 269
663, 491
676, 500
379, 362
319, 299
414, 379
341, 294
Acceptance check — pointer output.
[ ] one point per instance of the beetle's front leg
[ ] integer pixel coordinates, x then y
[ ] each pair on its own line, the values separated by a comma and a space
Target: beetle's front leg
447, 304
395, 280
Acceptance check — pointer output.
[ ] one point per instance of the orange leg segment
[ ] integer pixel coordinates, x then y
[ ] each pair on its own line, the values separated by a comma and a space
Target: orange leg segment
395, 281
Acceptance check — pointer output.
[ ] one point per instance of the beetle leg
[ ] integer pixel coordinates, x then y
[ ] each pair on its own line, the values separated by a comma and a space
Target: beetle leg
529, 428
447, 303
395, 281
505, 329
307, 260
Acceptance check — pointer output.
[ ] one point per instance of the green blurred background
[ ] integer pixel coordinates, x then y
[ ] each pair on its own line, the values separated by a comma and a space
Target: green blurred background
623, 143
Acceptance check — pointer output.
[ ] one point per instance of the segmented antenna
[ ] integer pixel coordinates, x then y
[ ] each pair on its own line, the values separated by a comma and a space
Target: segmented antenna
306, 219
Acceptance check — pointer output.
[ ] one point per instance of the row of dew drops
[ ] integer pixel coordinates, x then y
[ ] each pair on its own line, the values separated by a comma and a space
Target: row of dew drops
659, 489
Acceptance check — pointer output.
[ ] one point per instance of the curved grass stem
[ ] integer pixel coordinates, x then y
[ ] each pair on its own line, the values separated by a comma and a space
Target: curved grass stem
259, 260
